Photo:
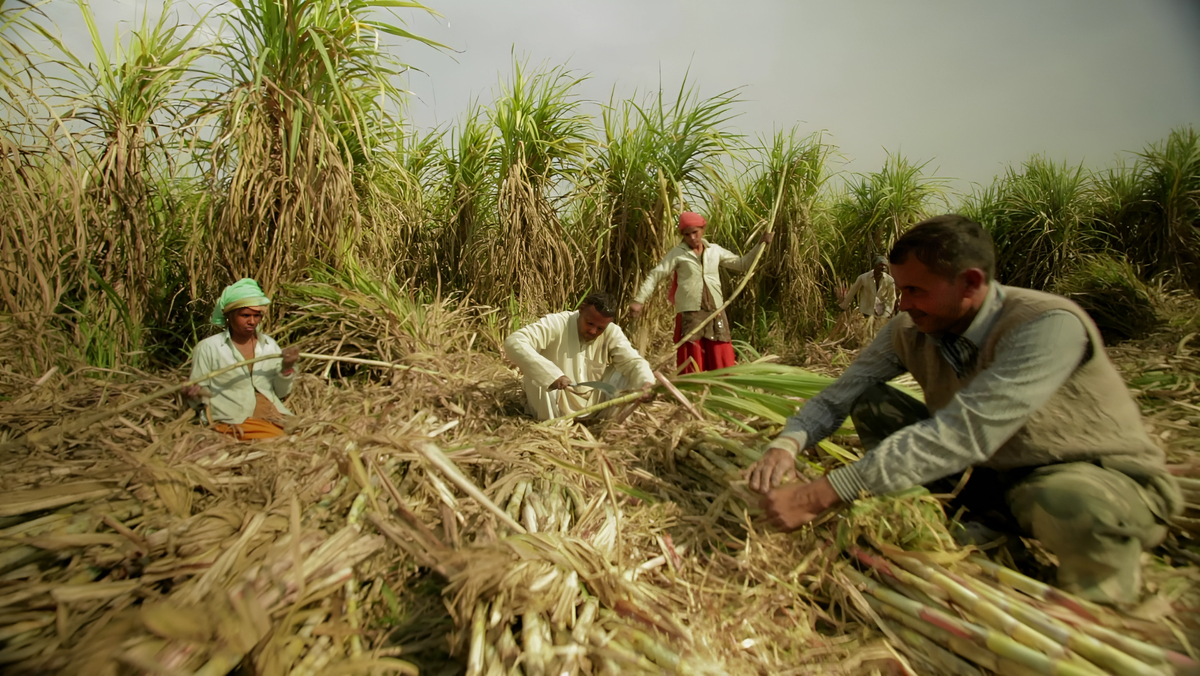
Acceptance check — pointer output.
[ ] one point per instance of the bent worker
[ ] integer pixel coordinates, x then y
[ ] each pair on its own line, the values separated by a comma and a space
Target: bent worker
1017, 384
693, 267
875, 293
245, 402
561, 351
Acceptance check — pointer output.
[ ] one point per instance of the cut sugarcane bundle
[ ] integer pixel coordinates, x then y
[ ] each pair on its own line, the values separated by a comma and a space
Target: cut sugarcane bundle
998, 613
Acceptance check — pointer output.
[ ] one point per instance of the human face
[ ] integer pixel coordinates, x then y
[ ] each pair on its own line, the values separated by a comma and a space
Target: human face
935, 302
243, 322
880, 268
591, 323
693, 237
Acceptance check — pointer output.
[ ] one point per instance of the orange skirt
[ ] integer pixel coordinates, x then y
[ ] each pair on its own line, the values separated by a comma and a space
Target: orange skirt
253, 428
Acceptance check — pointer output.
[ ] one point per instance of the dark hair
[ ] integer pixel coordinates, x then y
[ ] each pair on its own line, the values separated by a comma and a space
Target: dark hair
948, 245
603, 301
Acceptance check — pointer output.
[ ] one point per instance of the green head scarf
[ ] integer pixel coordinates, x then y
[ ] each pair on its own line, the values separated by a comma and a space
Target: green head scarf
240, 294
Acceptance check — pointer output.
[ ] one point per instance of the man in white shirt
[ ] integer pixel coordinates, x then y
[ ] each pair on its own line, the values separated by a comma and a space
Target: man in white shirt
693, 267
246, 402
875, 292
564, 349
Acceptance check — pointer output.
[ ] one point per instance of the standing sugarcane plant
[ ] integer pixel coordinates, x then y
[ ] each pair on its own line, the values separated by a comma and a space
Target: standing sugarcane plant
657, 158
468, 198
877, 208
301, 103
399, 205
1168, 239
541, 150
790, 279
1044, 223
129, 101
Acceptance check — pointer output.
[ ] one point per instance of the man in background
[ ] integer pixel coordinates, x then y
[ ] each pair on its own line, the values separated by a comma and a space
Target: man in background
875, 293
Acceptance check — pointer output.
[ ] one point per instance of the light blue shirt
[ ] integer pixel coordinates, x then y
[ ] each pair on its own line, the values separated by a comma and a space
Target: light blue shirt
232, 394
1030, 363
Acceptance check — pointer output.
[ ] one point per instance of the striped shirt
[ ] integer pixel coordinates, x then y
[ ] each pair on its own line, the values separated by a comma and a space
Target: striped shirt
1031, 362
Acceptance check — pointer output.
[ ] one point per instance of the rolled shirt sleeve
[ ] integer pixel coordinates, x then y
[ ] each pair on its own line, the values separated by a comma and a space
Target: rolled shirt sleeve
524, 345
1031, 362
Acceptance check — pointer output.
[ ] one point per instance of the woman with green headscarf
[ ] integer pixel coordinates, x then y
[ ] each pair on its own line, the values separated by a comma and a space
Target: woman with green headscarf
246, 402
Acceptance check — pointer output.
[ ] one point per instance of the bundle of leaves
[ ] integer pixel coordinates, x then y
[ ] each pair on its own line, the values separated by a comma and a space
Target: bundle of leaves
1109, 290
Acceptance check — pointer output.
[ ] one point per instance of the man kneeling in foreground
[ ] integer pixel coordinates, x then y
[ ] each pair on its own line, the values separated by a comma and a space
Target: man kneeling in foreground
564, 349
245, 402
1017, 384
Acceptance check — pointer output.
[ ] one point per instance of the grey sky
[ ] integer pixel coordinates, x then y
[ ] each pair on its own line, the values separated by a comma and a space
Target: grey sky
969, 85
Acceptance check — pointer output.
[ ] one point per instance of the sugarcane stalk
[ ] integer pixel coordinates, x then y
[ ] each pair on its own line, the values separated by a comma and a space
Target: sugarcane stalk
905, 582
1102, 654
596, 408
997, 642
367, 362
947, 639
475, 655
1037, 589
936, 654
991, 615
533, 644
438, 459
1088, 612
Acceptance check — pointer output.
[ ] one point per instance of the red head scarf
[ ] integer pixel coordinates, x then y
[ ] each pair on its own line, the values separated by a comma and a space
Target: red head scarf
689, 219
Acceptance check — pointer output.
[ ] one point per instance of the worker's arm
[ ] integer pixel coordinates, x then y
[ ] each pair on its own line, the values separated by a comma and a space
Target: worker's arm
1031, 363
728, 259
625, 359
824, 413
852, 292
203, 363
283, 376
523, 347
655, 277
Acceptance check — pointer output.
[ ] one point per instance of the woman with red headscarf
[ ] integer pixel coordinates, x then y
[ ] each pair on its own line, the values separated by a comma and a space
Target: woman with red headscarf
696, 292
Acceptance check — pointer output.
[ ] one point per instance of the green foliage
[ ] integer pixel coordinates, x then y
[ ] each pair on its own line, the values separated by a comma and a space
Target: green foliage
301, 103
1167, 238
1043, 222
792, 170
1109, 290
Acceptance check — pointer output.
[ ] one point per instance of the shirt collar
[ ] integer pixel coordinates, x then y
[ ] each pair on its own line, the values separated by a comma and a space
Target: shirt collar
986, 318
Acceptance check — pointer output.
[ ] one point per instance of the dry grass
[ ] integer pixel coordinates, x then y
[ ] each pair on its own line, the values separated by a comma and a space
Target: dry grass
148, 543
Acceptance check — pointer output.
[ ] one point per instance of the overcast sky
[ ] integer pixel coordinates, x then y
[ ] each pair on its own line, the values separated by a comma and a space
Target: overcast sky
970, 86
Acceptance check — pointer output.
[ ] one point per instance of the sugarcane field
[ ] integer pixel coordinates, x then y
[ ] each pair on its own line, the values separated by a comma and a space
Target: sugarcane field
577, 377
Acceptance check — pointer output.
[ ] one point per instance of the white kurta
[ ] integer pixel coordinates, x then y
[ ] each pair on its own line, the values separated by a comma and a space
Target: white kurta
694, 274
550, 348
873, 302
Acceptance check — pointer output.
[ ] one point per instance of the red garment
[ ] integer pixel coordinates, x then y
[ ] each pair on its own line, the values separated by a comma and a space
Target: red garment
706, 355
